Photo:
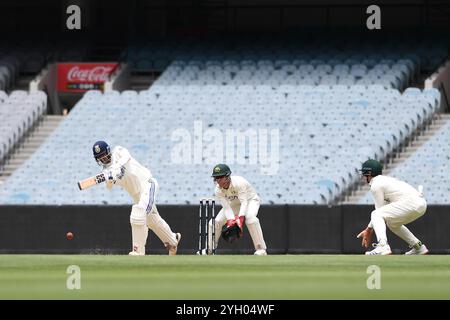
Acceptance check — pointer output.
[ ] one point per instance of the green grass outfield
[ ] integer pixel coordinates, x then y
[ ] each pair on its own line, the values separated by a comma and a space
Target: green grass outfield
224, 277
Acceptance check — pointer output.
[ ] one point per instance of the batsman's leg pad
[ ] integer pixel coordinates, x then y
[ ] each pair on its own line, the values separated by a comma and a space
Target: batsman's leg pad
257, 236
160, 227
139, 235
139, 230
138, 215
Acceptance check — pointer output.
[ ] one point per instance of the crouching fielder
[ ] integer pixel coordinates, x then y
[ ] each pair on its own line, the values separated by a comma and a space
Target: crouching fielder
396, 203
240, 205
120, 168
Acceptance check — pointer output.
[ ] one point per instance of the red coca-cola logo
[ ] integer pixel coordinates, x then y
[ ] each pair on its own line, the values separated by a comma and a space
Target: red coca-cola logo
96, 74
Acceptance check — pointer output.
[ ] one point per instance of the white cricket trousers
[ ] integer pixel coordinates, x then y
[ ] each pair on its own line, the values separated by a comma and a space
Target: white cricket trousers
145, 215
397, 214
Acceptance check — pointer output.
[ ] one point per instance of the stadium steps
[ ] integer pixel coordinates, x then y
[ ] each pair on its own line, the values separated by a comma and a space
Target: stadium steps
30, 144
142, 80
23, 83
419, 80
439, 121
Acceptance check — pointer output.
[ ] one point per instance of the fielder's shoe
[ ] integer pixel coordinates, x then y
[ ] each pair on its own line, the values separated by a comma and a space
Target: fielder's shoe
422, 250
260, 252
382, 250
173, 249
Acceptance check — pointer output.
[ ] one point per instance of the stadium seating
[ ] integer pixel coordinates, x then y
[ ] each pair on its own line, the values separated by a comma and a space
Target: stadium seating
417, 53
295, 118
310, 140
275, 73
428, 166
18, 113
26, 58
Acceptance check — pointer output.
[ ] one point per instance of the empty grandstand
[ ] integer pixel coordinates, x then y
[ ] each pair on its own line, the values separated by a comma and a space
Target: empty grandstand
428, 166
309, 115
19, 112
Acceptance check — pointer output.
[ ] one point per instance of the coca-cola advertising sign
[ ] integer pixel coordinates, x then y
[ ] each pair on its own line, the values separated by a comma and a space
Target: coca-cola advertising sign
80, 77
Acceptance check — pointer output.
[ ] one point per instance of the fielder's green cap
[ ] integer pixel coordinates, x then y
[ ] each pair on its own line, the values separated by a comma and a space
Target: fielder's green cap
372, 167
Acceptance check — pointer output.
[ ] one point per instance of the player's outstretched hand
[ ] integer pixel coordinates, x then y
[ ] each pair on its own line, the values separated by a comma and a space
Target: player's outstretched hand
366, 236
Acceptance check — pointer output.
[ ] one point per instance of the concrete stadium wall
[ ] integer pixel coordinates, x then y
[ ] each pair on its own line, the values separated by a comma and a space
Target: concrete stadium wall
287, 229
441, 81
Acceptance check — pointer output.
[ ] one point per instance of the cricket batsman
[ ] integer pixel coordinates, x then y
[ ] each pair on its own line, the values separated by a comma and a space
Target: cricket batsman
121, 169
396, 203
240, 205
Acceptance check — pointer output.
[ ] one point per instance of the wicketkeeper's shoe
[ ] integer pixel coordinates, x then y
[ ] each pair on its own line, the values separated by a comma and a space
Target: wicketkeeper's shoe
260, 252
173, 249
422, 250
203, 253
381, 250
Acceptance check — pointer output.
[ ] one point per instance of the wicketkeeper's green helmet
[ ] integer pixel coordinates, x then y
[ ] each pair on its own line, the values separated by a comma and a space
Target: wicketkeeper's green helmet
221, 170
371, 167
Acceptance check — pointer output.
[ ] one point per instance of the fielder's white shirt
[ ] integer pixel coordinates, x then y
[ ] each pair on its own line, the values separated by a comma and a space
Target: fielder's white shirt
127, 172
386, 190
239, 193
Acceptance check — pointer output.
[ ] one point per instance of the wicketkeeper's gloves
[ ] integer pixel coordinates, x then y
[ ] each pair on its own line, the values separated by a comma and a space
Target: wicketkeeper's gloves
231, 231
240, 222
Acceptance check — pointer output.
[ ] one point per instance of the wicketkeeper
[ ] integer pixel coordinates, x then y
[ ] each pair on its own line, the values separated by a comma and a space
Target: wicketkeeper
396, 203
240, 205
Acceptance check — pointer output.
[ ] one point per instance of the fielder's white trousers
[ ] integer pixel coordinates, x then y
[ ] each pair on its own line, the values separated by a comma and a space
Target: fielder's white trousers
396, 215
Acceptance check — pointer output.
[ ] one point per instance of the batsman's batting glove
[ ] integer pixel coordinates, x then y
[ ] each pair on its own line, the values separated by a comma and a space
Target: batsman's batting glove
117, 172
111, 177
366, 236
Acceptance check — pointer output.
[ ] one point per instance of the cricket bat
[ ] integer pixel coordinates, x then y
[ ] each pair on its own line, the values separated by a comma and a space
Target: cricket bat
92, 181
